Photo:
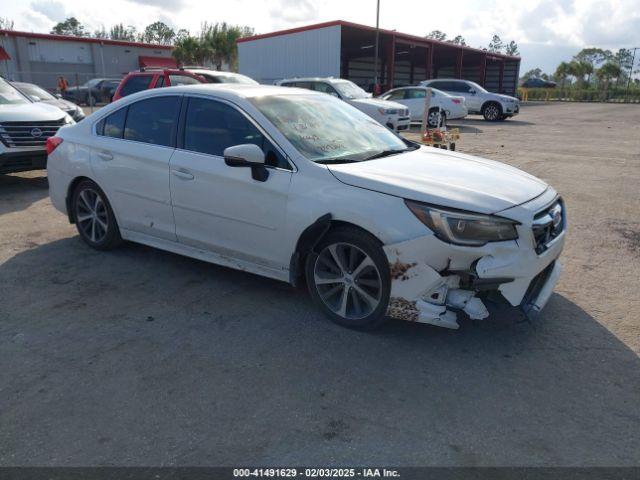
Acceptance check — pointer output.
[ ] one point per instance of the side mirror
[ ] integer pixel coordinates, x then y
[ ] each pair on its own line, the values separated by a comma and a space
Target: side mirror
247, 155
472, 91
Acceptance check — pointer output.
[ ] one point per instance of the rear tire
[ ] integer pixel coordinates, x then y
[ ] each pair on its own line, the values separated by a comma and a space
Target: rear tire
492, 111
94, 217
348, 278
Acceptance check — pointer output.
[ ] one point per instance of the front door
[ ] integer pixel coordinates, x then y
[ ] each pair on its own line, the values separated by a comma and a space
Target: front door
130, 160
222, 208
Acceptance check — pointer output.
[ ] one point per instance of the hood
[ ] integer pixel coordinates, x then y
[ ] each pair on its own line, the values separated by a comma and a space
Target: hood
30, 112
378, 103
62, 104
441, 177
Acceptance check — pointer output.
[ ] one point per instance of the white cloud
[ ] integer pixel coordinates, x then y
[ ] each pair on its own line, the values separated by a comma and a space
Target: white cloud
562, 24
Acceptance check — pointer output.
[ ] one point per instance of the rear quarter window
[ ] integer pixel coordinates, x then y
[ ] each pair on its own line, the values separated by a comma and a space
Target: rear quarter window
113, 125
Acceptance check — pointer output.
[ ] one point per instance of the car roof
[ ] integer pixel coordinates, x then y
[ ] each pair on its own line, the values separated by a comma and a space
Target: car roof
228, 90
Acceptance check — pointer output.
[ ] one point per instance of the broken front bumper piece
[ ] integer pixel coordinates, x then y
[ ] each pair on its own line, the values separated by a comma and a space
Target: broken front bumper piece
419, 293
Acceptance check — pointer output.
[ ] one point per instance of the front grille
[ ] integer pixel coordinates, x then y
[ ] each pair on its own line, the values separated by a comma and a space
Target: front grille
548, 224
28, 134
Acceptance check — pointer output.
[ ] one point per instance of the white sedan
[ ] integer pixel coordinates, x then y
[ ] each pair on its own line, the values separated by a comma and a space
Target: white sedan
451, 107
302, 187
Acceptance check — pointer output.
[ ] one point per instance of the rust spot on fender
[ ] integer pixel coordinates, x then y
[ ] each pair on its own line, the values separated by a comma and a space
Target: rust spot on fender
399, 270
403, 309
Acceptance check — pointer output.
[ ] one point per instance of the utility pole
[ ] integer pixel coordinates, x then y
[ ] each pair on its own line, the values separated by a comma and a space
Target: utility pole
375, 60
633, 60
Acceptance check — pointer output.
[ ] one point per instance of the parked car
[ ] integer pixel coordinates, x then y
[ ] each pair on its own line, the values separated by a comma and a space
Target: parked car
538, 83
293, 184
96, 90
492, 106
448, 106
37, 94
108, 90
145, 79
25, 127
394, 115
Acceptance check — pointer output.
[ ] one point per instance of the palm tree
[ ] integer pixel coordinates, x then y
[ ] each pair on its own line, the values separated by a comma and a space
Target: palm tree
191, 51
607, 72
579, 69
562, 72
221, 39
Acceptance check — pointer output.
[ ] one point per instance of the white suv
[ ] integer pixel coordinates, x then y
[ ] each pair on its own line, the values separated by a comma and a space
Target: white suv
392, 114
492, 106
24, 129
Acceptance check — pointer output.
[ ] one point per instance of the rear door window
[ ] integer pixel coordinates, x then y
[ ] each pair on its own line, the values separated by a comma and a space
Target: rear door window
135, 83
415, 93
153, 120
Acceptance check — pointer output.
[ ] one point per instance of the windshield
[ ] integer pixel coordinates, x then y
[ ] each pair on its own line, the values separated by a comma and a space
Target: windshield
9, 95
477, 87
350, 90
36, 93
322, 127
92, 83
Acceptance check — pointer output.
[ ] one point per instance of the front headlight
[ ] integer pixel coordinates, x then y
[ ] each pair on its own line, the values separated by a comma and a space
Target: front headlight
463, 228
388, 111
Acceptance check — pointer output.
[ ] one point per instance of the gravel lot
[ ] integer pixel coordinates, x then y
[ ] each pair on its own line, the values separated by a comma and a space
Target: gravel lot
140, 357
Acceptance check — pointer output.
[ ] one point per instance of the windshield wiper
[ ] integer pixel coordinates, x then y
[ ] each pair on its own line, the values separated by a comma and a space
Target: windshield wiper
334, 161
385, 153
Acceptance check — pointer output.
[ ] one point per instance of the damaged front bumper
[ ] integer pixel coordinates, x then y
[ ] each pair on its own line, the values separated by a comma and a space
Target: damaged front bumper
431, 279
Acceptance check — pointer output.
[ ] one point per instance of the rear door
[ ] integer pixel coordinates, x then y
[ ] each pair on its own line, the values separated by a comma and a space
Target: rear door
222, 208
130, 160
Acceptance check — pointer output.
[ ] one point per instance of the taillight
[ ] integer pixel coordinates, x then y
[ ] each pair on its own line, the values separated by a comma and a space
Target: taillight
52, 144
455, 100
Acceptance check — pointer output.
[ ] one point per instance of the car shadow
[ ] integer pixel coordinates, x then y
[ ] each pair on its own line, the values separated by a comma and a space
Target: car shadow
142, 350
17, 192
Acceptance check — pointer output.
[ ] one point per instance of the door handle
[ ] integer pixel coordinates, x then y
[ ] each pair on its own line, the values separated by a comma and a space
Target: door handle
183, 174
105, 156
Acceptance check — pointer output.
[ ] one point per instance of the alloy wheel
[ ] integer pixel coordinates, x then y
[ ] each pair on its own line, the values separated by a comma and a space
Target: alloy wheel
91, 215
492, 112
347, 281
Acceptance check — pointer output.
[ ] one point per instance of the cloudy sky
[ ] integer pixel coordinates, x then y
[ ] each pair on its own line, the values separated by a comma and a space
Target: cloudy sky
547, 31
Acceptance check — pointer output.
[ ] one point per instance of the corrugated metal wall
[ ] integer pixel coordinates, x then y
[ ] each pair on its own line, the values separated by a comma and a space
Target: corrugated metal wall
60, 52
310, 53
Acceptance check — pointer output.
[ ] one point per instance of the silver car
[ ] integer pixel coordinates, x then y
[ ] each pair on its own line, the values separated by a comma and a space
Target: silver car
492, 106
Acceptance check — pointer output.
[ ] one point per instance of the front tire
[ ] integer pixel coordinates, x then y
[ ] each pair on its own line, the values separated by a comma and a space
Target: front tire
348, 278
492, 112
94, 217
